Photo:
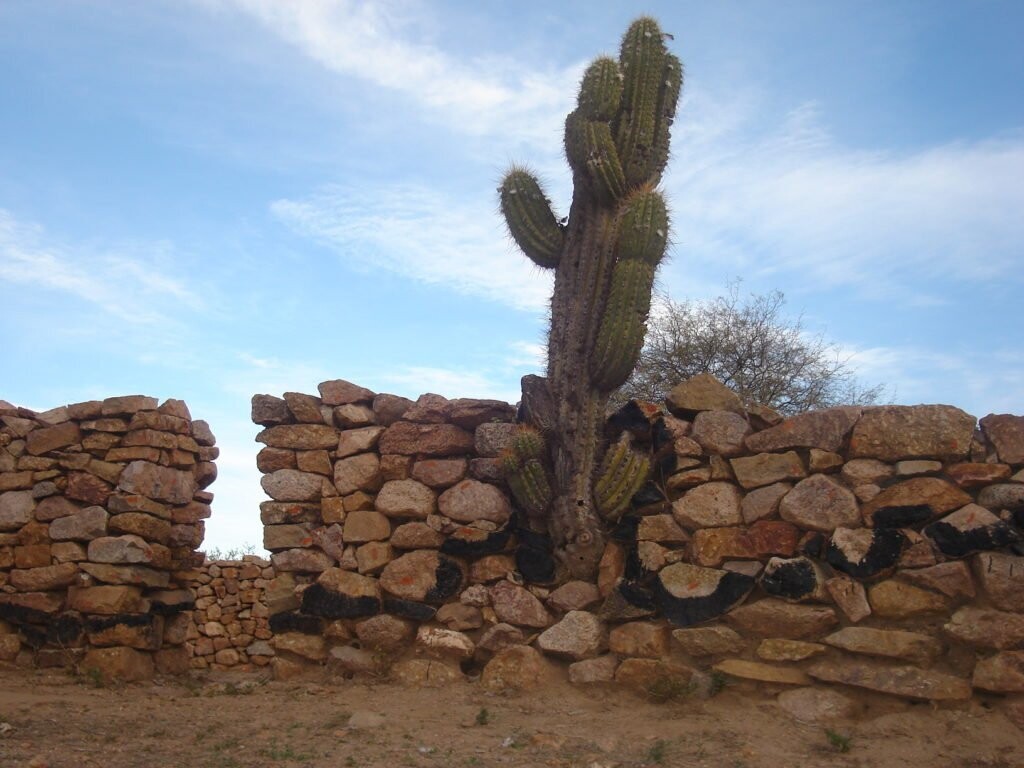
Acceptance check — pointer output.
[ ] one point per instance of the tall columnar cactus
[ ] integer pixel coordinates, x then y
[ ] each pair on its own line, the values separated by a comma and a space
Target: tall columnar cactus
604, 259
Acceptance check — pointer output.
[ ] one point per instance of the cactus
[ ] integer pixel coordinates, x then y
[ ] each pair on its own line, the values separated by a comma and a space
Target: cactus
604, 259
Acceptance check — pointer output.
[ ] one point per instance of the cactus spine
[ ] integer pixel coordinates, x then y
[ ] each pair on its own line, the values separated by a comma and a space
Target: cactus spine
605, 258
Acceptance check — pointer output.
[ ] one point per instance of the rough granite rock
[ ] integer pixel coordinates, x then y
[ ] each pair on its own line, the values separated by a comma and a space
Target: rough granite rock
767, 468
893, 599
578, 635
819, 503
986, 628
720, 432
762, 673
891, 643
518, 606
406, 498
1002, 673
896, 432
772, 617
1006, 433
301, 437
518, 667
423, 575
908, 682
702, 392
709, 641
471, 500
1001, 576
826, 429
709, 505
710, 546
430, 440
292, 485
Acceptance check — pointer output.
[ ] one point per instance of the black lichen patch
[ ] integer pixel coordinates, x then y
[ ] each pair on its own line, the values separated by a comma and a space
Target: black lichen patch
629, 418
100, 623
408, 609
317, 600
169, 609
448, 580
688, 611
903, 517
534, 558
954, 542
814, 546
34, 636
882, 555
464, 544
637, 594
648, 494
293, 621
625, 530
661, 436
21, 614
65, 629
792, 579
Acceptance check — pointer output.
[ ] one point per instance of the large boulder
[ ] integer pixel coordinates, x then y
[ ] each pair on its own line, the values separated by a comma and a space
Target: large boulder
896, 432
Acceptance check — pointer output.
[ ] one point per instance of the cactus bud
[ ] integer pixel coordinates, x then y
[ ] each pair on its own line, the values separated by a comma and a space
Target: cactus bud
623, 472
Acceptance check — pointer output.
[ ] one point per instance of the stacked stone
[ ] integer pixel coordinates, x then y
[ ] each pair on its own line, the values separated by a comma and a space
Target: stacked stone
101, 506
229, 628
377, 501
876, 547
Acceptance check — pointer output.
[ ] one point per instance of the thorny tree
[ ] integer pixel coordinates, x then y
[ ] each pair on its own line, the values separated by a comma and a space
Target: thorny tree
748, 345
564, 474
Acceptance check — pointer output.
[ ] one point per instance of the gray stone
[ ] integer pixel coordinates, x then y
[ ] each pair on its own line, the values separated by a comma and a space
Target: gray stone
908, 682
515, 605
406, 498
85, 525
763, 502
985, 628
156, 482
301, 437
597, 670
574, 596
767, 468
702, 392
1006, 433
819, 503
361, 440
720, 432
120, 549
891, 643
709, 505
15, 509
292, 485
896, 432
357, 473
826, 429
579, 635
1002, 496
1001, 575
471, 500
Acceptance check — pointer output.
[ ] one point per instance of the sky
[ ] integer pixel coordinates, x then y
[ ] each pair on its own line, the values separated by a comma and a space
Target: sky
207, 199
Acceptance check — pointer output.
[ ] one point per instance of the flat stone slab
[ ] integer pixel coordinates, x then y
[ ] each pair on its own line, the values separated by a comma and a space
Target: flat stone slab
762, 673
984, 628
772, 617
890, 643
825, 429
908, 682
896, 432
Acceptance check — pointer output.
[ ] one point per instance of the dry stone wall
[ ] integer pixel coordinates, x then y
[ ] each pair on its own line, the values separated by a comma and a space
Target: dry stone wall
876, 548
101, 512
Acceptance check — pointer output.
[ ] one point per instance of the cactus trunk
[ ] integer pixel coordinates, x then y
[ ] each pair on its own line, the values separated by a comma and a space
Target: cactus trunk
604, 259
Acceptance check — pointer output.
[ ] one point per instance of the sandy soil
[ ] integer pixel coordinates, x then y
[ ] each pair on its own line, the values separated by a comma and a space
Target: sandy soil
49, 719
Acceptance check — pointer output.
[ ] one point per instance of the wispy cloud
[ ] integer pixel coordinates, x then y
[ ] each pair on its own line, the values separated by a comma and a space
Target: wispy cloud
386, 45
791, 201
122, 283
421, 234
976, 380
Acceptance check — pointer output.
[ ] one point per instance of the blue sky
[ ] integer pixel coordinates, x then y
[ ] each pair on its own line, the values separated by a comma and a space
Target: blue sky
215, 198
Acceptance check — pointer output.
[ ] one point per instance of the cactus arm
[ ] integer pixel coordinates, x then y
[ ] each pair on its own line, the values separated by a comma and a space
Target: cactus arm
529, 217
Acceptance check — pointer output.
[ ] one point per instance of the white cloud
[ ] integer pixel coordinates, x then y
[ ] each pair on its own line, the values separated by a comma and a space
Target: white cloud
384, 44
976, 380
421, 234
125, 283
793, 202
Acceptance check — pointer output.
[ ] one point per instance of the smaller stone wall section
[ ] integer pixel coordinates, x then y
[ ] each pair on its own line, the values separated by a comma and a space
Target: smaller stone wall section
101, 507
229, 628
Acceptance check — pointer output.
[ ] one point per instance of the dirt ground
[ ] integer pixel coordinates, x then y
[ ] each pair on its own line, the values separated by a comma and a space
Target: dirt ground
50, 719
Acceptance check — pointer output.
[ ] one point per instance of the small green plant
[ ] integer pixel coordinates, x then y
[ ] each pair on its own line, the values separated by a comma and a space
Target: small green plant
669, 688
95, 677
717, 683
483, 717
657, 752
839, 742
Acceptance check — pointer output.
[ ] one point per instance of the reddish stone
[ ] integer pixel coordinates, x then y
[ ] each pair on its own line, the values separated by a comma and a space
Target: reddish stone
1006, 433
710, 546
974, 474
40, 441
408, 438
89, 488
939, 496
341, 392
